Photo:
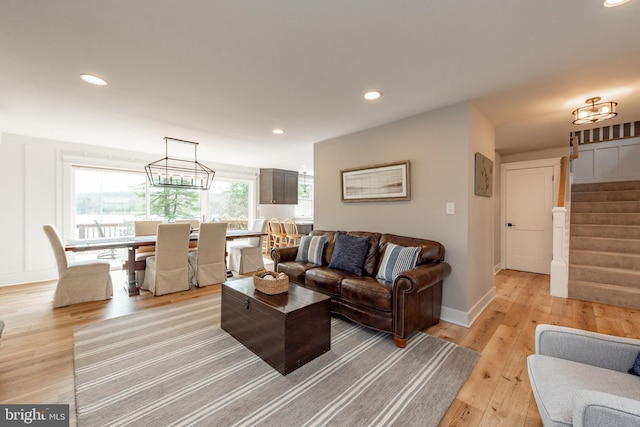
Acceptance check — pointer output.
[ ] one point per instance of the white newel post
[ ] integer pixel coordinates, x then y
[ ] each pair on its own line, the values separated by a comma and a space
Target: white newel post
560, 262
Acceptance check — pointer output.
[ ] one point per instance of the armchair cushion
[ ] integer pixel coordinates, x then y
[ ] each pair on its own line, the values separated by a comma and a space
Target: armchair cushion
349, 253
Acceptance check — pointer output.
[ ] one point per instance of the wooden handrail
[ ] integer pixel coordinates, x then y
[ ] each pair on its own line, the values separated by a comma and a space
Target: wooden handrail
564, 161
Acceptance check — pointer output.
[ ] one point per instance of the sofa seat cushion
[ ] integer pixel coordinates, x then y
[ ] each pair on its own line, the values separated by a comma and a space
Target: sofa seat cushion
295, 270
325, 279
367, 292
555, 381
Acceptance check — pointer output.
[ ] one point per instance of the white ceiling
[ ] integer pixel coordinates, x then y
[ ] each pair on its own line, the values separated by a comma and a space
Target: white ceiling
225, 73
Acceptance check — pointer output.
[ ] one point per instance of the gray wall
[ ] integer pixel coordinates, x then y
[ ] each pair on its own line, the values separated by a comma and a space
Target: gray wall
441, 146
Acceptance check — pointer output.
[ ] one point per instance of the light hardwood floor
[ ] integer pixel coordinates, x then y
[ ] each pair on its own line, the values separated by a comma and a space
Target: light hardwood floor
36, 364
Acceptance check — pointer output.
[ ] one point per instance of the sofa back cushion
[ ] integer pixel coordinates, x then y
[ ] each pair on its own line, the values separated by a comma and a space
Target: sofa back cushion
329, 245
349, 253
430, 250
371, 260
311, 249
397, 259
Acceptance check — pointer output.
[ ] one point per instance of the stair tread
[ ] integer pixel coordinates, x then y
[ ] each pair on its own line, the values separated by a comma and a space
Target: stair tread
617, 190
604, 201
605, 213
617, 239
607, 253
604, 285
608, 269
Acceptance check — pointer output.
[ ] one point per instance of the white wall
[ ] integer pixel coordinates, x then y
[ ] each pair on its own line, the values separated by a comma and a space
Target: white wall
441, 146
480, 284
36, 191
548, 153
497, 227
617, 160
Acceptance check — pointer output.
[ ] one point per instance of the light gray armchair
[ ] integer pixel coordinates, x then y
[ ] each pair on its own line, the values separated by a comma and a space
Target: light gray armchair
581, 378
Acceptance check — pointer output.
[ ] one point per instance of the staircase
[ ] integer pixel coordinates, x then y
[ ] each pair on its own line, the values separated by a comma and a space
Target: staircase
604, 254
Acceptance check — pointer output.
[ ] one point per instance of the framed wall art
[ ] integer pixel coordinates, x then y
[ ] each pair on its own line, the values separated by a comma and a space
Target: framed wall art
483, 176
386, 182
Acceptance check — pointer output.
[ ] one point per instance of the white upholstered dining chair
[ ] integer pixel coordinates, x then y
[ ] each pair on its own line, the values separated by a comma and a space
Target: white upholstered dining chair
144, 228
247, 258
168, 270
79, 281
207, 265
195, 225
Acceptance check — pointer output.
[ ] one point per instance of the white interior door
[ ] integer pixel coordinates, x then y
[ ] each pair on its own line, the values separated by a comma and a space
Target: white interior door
528, 228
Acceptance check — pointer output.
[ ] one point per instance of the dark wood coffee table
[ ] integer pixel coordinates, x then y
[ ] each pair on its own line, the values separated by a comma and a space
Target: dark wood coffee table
285, 330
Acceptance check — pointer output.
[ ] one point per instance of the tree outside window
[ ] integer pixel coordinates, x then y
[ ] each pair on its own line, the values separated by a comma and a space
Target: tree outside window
171, 203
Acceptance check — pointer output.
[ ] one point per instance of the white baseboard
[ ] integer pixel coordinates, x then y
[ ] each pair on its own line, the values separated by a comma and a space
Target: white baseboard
483, 303
467, 319
456, 317
497, 268
28, 277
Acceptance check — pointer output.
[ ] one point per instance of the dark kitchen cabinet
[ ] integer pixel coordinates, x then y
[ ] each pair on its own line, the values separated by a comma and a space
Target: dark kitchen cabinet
278, 187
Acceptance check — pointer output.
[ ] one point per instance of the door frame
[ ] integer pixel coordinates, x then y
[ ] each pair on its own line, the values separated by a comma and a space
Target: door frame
530, 164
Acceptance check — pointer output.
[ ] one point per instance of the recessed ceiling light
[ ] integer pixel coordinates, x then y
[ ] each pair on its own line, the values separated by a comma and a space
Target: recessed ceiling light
372, 95
278, 131
94, 80
614, 3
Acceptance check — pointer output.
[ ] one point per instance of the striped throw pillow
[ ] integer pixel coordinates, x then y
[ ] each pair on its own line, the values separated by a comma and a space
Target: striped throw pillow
396, 260
310, 249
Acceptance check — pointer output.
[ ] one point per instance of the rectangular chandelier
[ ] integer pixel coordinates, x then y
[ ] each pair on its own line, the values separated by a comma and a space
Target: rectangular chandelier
179, 173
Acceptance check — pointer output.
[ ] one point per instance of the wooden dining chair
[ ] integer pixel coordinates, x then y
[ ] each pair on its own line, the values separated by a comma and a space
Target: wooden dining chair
78, 281
168, 270
291, 231
277, 235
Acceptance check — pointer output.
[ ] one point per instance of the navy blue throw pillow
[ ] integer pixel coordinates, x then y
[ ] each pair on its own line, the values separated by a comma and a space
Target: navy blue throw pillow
349, 253
635, 369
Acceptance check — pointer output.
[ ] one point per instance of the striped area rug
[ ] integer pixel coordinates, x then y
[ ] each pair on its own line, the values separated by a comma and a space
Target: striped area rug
174, 365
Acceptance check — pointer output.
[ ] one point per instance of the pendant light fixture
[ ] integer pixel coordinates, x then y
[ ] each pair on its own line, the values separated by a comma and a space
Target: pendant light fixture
595, 111
179, 173
305, 194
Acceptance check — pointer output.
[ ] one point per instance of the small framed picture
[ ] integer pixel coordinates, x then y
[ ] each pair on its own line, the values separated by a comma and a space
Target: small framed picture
483, 176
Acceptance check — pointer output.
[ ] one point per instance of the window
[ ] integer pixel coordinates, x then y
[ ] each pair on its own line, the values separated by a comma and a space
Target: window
107, 202
304, 208
229, 202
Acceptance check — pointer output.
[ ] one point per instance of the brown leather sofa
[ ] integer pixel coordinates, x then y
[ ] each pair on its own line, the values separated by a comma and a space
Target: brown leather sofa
411, 302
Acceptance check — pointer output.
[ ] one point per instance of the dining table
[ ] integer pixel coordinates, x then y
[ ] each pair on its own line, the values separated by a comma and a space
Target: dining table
133, 243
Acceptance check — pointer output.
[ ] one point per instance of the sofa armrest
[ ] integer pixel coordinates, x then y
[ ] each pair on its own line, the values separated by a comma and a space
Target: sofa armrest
421, 277
283, 254
594, 409
605, 351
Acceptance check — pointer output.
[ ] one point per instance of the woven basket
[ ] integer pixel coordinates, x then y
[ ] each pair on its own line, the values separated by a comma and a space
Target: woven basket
278, 285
